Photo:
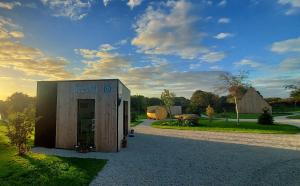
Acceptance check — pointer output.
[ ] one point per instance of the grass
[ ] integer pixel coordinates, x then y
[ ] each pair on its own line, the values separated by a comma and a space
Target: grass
294, 117
139, 120
40, 169
219, 125
232, 115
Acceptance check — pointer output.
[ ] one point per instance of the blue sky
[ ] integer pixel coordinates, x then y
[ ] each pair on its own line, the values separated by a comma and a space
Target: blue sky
181, 45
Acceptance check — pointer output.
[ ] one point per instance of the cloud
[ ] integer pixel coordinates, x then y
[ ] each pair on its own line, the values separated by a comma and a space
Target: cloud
224, 20
16, 34
293, 4
134, 3
290, 45
25, 59
171, 32
73, 9
106, 2
194, 66
222, 3
213, 57
149, 79
223, 35
290, 64
31, 61
248, 62
9, 5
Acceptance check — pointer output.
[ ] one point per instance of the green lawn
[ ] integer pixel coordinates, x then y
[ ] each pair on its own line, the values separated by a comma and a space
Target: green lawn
219, 125
40, 169
232, 115
294, 117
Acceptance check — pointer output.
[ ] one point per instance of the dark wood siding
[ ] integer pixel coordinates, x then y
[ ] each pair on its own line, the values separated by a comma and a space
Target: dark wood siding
45, 128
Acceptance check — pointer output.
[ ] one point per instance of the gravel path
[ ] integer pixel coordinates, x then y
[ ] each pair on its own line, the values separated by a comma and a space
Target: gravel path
173, 157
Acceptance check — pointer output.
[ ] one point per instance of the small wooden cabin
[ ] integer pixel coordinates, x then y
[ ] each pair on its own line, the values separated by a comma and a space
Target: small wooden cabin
253, 103
157, 112
91, 112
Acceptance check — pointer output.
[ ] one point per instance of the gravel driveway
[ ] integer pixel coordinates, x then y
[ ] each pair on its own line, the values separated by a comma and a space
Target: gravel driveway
161, 158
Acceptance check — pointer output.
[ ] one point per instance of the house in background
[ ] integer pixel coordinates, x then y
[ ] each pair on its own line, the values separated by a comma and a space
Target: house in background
94, 113
252, 103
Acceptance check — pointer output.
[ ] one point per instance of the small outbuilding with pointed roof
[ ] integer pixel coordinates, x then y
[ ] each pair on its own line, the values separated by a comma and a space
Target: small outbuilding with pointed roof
253, 103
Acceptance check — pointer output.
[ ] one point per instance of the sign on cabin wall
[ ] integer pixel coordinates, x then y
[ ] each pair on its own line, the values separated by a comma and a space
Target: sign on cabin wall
92, 89
85, 89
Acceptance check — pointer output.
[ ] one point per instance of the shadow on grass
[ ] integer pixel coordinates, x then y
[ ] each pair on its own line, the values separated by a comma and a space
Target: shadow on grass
36, 169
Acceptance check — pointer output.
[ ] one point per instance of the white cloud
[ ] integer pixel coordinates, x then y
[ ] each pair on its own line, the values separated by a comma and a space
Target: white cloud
74, 9
290, 64
290, 45
147, 80
223, 35
169, 32
106, 2
216, 67
294, 5
16, 34
224, 20
9, 5
134, 3
248, 62
194, 66
27, 60
222, 3
213, 57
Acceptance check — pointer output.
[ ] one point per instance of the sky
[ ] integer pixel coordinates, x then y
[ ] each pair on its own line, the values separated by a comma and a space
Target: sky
180, 45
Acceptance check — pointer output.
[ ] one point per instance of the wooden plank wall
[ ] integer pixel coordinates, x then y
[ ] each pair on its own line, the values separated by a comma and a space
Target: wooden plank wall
105, 95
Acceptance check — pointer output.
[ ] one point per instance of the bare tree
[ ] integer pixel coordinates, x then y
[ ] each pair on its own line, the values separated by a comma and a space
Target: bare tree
236, 86
167, 98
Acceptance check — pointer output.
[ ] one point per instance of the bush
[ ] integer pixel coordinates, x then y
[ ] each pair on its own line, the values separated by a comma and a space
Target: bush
265, 118
19, 129
210, 112
134, 116
187, 119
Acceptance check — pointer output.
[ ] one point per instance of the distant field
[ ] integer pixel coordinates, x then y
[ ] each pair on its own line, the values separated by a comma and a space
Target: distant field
219, 125
40, 169
232, 115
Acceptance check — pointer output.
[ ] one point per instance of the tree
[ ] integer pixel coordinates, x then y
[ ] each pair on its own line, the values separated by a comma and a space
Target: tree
201, 99
18, 102
295, 93
236, 86
153, 101
167, 98
183, 102
19, 129
210, 112
138, 104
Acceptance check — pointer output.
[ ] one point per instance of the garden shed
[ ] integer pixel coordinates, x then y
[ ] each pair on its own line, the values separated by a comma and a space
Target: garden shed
253, 103
95, 113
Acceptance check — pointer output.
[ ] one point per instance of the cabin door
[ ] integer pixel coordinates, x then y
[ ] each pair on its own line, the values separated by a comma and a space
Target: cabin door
86, 123
125, 118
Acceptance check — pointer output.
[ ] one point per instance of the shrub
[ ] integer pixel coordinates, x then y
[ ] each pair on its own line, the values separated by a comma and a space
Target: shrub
265, 118
210, 112
134, 116
19, 129
187, 119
